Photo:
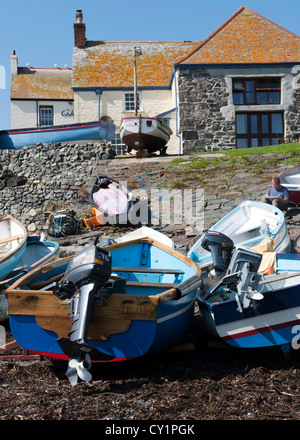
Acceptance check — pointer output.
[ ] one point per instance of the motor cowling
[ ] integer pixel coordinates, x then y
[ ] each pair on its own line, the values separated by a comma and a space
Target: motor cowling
87, 273
220, 247
90, 265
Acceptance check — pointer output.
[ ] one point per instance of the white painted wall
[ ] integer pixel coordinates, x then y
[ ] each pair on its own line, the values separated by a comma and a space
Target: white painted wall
153, 102
24, 114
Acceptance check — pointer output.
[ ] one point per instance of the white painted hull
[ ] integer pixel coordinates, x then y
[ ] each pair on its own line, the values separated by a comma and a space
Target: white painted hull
145, 232
140, 133
291, 180
13, 238
247, 225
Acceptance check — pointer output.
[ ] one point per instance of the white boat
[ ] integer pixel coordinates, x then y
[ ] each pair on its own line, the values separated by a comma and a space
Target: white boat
142, 133
145, 232
291, 180
13, 238
247, 225
142, 233
37, 253
246, 308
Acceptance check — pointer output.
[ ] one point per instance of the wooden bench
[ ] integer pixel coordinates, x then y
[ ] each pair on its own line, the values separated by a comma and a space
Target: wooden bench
14, 237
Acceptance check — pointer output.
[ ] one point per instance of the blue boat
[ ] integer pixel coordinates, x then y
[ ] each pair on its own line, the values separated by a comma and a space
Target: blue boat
18, 138
244, 305
247, 225
37, 253
143, 303
13, 239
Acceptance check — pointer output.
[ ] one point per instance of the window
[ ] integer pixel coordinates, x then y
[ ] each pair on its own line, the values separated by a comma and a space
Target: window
258, 129
129, 102
264, 91
46, 116
118, 146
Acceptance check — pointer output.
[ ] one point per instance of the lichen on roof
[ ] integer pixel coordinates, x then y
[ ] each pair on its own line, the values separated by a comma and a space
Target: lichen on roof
42, 83
110, 64
247, 37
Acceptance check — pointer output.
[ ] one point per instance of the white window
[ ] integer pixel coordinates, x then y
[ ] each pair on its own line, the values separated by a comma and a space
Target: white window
118, 145
129, 101
46, 116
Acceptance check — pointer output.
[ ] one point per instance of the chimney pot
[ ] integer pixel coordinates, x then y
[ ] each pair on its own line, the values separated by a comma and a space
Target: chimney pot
79, 16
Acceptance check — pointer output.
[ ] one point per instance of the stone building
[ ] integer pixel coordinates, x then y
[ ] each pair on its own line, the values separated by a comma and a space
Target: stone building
240, 87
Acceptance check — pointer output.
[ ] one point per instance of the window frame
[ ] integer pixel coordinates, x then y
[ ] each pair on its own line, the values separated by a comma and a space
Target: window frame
132, 109
259, 134
245, 94
45, 107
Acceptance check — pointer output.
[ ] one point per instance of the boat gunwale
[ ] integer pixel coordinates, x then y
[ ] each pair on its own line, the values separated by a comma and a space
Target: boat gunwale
22, 242
158, 298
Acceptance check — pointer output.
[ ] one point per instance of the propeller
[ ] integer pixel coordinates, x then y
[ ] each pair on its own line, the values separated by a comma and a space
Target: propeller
79, 369
255, 295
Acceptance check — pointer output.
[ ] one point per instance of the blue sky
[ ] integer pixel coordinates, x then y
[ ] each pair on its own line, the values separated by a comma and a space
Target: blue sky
42, 32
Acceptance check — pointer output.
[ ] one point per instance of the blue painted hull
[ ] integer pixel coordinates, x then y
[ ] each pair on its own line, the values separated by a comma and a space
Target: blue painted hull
15, 139
154, 316
36, 254
273, 321
235, 225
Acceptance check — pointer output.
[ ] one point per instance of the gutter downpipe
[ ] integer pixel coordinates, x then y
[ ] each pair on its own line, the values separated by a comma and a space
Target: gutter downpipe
98, 93
176, 107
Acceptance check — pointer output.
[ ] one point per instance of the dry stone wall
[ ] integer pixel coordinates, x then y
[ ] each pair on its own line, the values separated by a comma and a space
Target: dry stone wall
33, 177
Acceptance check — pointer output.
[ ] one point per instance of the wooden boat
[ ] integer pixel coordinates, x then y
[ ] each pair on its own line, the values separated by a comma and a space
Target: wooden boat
142, 133
291, 180
18, 138
37, 253
145, 304
248, 224
13, 238
248, 309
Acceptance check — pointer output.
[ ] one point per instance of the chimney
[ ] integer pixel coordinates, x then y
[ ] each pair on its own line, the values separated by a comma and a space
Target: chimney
79, 31
14, 63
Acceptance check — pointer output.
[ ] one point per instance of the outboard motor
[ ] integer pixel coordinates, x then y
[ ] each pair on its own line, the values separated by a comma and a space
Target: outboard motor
88, 272
220, 247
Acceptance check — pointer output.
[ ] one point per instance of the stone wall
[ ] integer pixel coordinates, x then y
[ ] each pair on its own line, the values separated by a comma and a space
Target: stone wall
207, 113
32, 177
202, 125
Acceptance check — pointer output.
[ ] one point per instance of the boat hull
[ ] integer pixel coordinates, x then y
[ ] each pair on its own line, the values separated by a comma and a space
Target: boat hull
291, 180
16, 139
246, 226
36, 254
143, 320
13, 238
140, 133
273, 321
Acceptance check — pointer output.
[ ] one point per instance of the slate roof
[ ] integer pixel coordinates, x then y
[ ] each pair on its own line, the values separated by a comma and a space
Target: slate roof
110, 64
247, 37
42, 83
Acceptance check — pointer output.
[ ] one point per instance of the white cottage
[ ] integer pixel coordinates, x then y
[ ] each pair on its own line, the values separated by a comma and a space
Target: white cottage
40, 96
